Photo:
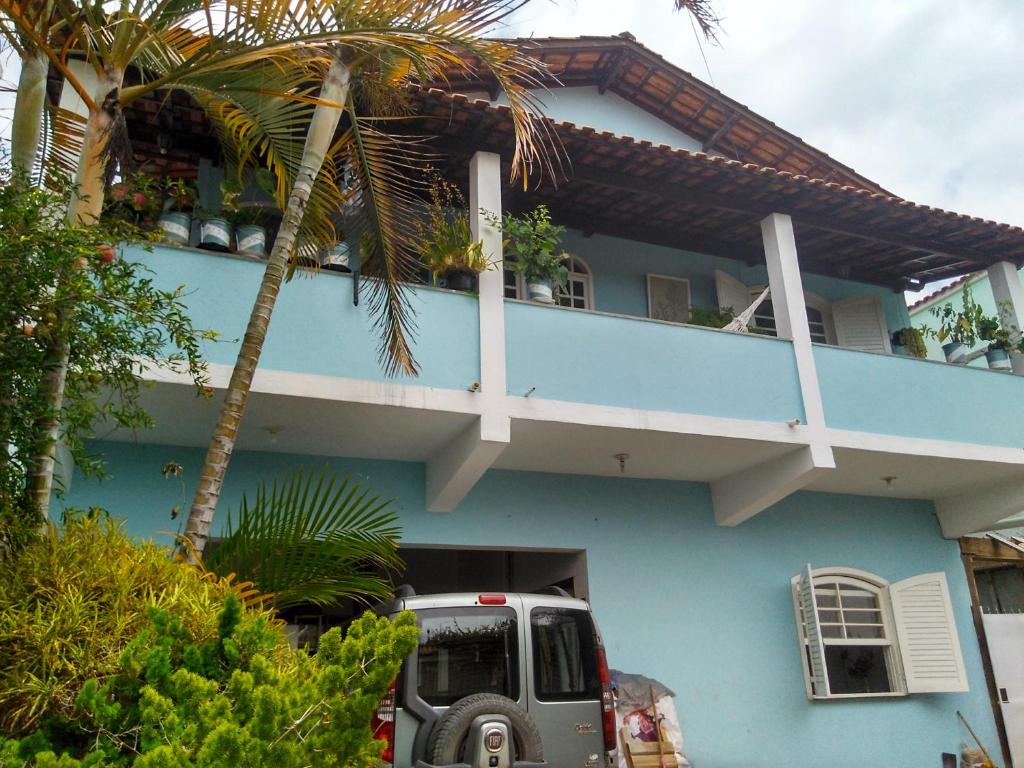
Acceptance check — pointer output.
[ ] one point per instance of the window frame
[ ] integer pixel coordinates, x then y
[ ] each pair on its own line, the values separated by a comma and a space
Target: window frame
674, 278
811, 301
867, 582
586, 277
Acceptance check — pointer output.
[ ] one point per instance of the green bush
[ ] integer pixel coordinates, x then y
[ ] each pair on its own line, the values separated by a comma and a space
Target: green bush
200, 681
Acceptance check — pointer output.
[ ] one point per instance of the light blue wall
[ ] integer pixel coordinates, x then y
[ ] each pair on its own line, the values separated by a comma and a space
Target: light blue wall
316, 329
902, 396
707, 610
620, 269
584, 106
593, 358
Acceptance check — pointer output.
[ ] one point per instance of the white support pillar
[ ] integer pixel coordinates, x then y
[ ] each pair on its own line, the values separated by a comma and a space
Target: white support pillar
1009, 295
453, 472
741, 496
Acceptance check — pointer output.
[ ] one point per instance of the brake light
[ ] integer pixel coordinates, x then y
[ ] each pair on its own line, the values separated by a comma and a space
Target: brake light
607, 702
383, 725
491, 599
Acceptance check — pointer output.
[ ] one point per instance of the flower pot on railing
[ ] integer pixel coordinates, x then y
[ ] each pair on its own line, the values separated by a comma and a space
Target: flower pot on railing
460, 280
955, 352
251, 239
215, 234
337, 259
177, 227
541, 291
998, 359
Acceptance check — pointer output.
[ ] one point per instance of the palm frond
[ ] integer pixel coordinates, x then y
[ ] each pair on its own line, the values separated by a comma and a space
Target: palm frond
704, 14
311, 539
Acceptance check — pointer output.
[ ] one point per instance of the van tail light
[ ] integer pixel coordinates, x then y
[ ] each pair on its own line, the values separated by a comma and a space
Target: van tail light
491, 599
383, 725
607, 703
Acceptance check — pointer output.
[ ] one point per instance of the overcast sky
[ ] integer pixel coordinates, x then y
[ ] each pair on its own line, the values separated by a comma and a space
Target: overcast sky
925, 97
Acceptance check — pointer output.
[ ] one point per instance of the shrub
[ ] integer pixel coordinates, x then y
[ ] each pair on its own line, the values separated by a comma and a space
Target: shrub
72, 601
182, 695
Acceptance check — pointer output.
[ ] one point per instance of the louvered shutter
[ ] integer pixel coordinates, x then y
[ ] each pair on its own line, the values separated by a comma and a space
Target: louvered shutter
860, 324
733, 296
816, 648
926, 633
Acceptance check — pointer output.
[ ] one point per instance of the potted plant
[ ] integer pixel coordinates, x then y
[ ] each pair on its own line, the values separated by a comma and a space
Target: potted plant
532, 243
215, 228
1001, 343
449, 251
176, 217
250, 233
337, 258
909, 341
709, 318
136, 199
957, 330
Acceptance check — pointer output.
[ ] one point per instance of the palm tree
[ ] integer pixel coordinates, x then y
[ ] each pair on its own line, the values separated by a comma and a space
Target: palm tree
704, 14
378, 47
311, 539
173, 44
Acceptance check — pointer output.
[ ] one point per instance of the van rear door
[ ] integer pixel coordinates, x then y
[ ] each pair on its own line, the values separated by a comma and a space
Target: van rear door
564, 685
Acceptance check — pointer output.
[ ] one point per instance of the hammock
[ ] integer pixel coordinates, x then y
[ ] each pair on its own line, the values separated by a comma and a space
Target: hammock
742, 320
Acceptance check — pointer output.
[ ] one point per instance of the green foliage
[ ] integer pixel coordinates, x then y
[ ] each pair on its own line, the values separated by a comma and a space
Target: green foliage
240, 698
445, 240
67, 282
137, 198
1000, 334
913, 340
709, 318
179, 195
311, 539
531, 246
73, 600
958, 326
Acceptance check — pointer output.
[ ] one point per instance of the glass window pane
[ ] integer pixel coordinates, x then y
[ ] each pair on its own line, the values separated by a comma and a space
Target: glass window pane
864, 632
826, 599
857, 669
859, 600
564, 655
831, 631
467, 650
862, 617
829, 617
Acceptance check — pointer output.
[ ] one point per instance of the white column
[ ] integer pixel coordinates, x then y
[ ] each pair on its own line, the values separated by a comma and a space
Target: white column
484, 198
457, 467
1009, 295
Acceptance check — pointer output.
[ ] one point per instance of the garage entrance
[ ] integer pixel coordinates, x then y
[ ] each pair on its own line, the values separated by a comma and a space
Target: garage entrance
433, 569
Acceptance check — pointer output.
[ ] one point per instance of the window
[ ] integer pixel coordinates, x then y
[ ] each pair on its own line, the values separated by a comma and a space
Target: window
467, 650
565, 655
860, 636
579, 285
515, 287
818, 319
668, 298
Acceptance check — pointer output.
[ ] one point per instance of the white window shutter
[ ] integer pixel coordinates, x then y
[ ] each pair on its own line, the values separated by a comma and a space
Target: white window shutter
733, 296
860, 324
816, 655
926, 633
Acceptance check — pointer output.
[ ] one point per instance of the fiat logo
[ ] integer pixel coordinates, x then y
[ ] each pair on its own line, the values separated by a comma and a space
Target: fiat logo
494, 740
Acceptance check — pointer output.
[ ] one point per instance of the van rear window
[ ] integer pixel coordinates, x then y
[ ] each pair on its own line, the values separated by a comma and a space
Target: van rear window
467, 650
564, 655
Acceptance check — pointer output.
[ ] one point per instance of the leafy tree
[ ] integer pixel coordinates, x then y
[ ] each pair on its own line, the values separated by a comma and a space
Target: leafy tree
67, 281
311, 539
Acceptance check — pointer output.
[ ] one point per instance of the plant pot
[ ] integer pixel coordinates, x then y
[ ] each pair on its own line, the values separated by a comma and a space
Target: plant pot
251, 239
337, 259
177, 227
955, 352
215, 235
541, 291
460, 280
998, 359
899, 349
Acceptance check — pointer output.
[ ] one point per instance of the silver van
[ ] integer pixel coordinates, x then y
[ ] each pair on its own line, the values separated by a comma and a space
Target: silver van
499, 681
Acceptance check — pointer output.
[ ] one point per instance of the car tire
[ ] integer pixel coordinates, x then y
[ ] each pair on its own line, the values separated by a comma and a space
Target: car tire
449, 735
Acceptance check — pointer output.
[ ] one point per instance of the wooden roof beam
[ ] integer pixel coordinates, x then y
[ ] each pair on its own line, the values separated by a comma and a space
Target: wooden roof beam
613, 71
723, 129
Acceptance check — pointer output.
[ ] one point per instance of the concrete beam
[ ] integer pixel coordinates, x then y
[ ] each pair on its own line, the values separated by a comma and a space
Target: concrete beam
453, 472
738, 497
1009, 296
980, 510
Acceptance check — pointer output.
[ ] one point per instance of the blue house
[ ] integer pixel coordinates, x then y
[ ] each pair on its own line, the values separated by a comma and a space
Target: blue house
766, 522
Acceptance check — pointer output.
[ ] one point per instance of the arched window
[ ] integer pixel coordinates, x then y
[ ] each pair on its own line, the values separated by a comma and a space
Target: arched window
579, 291
819, 317
862, 636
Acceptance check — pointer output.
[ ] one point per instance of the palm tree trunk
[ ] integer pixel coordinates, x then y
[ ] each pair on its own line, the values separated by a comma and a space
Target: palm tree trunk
85, 206
326, 116
26, 125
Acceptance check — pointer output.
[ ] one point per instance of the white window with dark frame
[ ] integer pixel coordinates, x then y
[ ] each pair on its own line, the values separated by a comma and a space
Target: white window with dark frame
819, 316
579, 285
863, 637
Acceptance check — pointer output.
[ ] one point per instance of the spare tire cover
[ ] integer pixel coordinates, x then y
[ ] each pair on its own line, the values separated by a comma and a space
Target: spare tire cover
448, 739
